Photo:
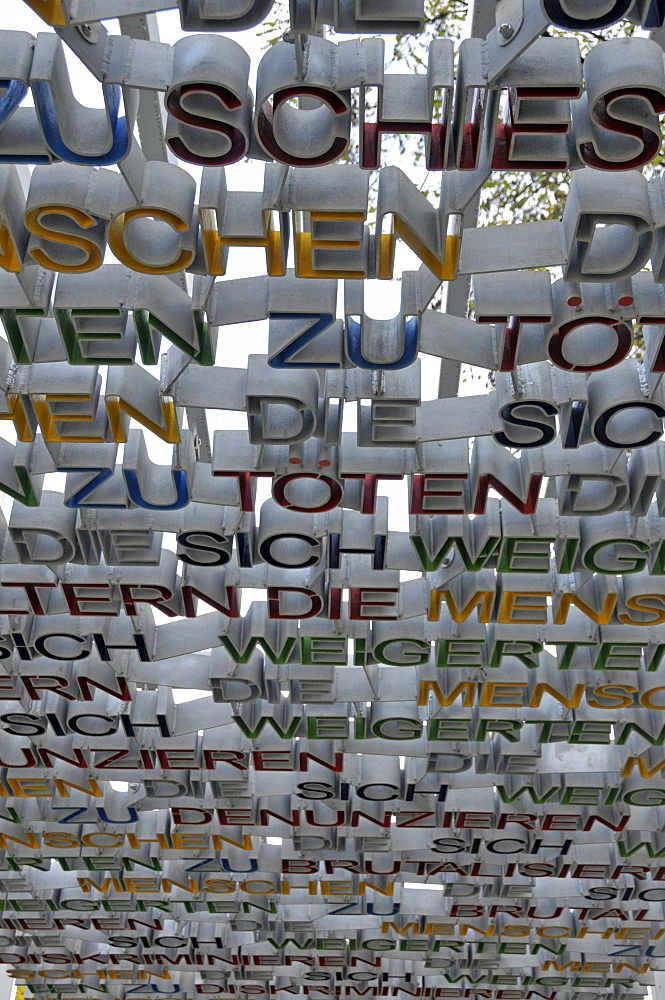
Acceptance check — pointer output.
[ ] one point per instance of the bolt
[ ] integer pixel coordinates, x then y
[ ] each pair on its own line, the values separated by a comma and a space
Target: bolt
91, 32
506, 30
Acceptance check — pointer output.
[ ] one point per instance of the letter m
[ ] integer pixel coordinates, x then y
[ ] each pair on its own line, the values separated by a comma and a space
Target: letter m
88, 884
645, 772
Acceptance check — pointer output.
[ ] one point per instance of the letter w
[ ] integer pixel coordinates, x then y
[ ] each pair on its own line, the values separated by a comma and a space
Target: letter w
285, 734
274, 656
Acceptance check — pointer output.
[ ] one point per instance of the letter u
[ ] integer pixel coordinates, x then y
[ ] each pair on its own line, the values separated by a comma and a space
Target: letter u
409, 353
135, 495
558, 910
339, 820
383, 913
28, 755
253, 862
48, 119
133, 815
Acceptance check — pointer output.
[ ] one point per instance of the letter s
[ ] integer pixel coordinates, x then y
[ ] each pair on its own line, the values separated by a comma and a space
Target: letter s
537, 432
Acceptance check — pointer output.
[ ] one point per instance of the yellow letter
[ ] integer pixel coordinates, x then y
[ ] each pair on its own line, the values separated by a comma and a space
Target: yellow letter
33, 222
305, 245
41, 402
214, 243
486, 597
117, 241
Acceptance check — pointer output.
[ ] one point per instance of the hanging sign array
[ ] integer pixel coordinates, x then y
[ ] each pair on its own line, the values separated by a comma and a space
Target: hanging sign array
351, 707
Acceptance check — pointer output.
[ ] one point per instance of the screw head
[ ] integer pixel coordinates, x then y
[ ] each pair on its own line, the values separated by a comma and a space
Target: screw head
506, 30
91, 32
